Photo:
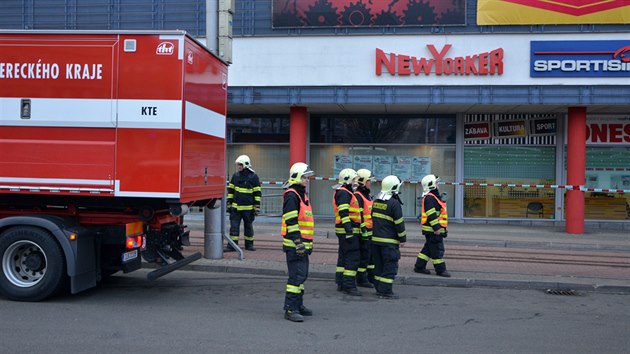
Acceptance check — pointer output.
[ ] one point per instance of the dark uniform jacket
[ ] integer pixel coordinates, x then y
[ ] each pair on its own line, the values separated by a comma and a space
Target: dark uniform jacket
244, 192
389, 225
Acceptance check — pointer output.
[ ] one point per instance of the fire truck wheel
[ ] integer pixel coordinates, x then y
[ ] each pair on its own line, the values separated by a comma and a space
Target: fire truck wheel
33, 265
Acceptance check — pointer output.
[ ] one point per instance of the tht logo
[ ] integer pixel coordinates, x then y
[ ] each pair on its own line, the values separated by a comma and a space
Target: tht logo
165, 48
573, 7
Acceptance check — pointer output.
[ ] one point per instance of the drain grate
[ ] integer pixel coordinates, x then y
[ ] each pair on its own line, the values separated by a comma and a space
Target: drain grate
568, 292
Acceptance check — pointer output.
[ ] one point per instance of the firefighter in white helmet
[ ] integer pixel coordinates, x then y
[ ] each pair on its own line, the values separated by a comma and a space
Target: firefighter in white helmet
243, 202
348, 223
297, 240
387, 235
434, 221
362, 192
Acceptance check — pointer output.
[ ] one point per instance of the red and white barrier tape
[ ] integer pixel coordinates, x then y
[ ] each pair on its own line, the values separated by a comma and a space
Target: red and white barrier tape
471, 184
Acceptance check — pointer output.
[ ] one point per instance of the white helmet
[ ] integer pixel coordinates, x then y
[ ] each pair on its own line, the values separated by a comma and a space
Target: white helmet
244, 160
364, 176
391, 185
298, 170
347, 175
429, 182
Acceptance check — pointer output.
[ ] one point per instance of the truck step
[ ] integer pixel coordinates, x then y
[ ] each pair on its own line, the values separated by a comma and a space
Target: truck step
173, 266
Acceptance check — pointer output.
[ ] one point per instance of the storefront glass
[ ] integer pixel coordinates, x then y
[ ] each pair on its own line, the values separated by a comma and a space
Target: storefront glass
509, 150
509, 165
607, 167
408, 147
266, 141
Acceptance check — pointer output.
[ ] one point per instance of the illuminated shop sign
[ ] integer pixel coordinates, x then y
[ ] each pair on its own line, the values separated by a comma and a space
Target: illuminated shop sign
479, 130
605, 130
440, 63
512, 128
580, 58
543, 127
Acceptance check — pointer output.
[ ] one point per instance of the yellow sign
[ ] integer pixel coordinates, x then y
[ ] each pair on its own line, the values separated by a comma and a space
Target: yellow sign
535, 12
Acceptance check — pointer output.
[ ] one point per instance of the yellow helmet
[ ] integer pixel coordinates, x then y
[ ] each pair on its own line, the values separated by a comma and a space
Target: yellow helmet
429, 182
243, 160
347, 175
391, 185
298, 170
364, 176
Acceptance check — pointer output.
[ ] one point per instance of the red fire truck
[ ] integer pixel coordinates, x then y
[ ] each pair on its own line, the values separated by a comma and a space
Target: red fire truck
106, 140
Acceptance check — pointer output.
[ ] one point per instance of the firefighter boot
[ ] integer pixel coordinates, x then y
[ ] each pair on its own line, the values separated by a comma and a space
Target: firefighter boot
444, 273
421, 270
229, 248
249, 245
293, 316
305, 311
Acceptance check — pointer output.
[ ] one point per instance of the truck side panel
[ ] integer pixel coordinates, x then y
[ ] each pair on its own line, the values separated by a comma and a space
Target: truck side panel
205, 96
149, 137
57, 112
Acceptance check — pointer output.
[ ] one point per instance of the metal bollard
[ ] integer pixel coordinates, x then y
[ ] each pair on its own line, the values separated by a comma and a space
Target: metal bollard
212, 230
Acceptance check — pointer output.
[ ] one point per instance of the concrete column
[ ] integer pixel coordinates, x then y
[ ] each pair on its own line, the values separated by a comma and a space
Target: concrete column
298, 129
576, 169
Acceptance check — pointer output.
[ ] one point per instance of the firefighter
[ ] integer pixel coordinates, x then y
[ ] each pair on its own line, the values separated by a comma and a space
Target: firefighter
348, 222
243, 202
362, 192
388, 233
434, 221
297, 240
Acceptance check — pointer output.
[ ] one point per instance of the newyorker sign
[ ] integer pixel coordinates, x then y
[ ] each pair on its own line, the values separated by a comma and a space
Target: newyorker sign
478, 64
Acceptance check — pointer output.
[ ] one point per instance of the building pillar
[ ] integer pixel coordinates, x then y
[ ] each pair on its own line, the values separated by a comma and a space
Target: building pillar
298, 129
576, 169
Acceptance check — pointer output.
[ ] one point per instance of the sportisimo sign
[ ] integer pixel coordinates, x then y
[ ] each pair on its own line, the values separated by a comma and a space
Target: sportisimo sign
580, 58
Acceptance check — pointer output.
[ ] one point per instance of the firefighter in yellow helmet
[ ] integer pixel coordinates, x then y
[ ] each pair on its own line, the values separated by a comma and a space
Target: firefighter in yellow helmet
243, 202
297, 240
434, 220
362, 192
348, 220
388, 233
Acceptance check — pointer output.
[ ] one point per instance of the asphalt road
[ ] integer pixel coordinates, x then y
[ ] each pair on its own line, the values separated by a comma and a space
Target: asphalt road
199, 312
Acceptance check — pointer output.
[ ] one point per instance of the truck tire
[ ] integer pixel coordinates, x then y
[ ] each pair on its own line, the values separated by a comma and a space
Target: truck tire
33, 264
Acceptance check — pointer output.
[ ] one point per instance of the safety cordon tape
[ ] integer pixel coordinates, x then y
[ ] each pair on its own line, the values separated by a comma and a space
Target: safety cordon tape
471, 184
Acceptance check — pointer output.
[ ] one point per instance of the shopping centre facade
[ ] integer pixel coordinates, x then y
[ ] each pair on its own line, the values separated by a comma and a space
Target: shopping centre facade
487, 108
499, 111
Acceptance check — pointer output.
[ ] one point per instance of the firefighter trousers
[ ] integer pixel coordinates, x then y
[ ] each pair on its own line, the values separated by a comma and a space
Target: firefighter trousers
298, 273
433, 250
385, 259
363, 272
348, 256
235, 224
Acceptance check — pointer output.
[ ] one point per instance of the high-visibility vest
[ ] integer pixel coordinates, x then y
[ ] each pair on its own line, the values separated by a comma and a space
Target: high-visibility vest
442, 217
354, 210
367, 212
306, 222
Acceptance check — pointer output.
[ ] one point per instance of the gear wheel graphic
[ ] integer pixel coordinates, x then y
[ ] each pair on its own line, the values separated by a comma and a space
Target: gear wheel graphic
356, 15
386, 18
322, 14
419, 13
